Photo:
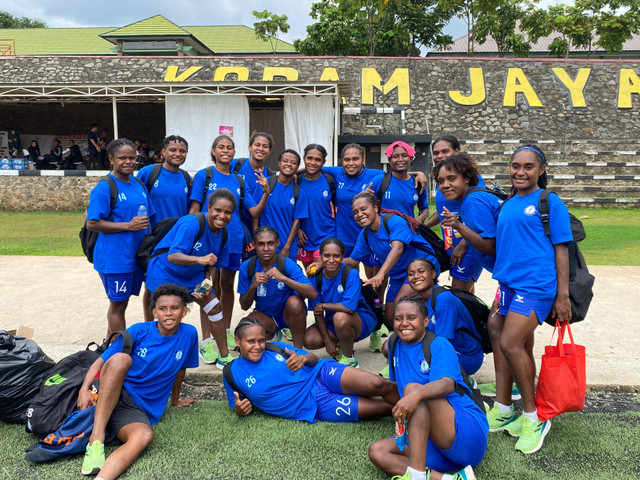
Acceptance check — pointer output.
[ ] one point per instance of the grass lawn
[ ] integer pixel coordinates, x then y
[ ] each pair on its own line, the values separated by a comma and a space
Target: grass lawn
209, 442
611, 234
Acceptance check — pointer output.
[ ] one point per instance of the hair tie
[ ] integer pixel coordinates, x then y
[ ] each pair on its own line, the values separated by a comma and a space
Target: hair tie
527, 147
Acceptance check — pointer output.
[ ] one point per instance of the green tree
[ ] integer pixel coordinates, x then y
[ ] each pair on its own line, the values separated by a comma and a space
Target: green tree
269, 25
501, 24
9, 21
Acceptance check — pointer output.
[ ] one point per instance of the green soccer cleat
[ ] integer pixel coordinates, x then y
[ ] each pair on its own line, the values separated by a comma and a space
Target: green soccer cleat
498, 421
384, 331
515, 428
231, 342
465, 474
221, 362
286, 333
406, 476
208, 352
384, 373
532, 436
375, 343
277, 336
489, 390
93, 459
349, 362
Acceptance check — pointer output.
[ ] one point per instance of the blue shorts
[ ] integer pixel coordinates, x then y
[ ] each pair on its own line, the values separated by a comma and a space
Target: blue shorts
369, 322
372, 261
120, 286
278, 319
468, 268
471, 363
468, 447
235, 259
332, 404
395, 284
511, 301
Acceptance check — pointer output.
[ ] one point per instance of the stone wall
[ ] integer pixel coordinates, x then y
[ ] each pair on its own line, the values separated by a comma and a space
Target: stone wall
60, 193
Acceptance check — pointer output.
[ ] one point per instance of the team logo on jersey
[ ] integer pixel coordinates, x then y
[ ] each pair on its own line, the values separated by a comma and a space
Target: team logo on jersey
281, 286
364, 185
325, 193
415, 197
292, 201
519, 298
178, 354
279, 357
432, 319
530, 210
340, 289
186, 189
424, 366
238, 190
197, 246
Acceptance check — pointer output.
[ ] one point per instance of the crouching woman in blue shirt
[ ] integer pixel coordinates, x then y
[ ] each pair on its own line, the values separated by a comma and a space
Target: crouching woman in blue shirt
447, 431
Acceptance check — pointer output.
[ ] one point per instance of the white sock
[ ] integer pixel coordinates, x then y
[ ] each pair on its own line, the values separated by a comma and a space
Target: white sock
533, 416
417, 474
504, 408
348, 358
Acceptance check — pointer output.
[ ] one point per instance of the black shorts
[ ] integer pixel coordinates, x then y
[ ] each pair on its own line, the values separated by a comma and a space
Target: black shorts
126, 412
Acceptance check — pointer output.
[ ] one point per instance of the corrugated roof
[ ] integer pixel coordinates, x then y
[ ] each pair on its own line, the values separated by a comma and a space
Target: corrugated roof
153, 26
220, 39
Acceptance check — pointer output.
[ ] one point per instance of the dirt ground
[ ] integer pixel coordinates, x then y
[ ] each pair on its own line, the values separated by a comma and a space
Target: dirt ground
62, 298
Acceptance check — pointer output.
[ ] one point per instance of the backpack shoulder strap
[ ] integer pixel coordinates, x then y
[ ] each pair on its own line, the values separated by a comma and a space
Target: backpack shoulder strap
187, 177
436, 291
345, 274
272, 347
225, 237
251, 268
296, 192
385, 221
113, 194
202, 222
208, 175
241, 203
270, 172
391, 343
140, 182
228, 376
238, 165
273, 179
471, 190
384, 185
543, 208
426, 345
155, 173
127, 342
319, 276
332, 186
281, 264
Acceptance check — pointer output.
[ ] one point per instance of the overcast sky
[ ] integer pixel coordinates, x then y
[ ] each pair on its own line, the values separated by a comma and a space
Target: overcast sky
117, 13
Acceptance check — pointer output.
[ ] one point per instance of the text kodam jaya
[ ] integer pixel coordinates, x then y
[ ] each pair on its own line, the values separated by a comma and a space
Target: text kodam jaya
516, 82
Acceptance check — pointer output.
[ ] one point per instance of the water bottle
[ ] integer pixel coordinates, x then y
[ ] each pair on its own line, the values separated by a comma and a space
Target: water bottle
261, 291
142, 210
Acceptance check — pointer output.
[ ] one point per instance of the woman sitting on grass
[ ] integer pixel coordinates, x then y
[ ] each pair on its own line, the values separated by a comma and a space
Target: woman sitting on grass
291, 383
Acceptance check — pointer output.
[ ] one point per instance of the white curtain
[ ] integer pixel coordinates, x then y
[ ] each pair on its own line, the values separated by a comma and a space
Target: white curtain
309, 119
200, 119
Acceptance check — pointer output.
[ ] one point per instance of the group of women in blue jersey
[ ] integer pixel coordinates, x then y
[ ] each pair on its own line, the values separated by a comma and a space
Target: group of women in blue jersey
333, 218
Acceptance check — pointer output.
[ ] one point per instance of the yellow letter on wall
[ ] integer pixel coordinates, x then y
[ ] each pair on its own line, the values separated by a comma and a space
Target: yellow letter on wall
291, 74
399, 79
329, 74
517, 83
629, 83
172, 73
222, 72
575, 87
477, 91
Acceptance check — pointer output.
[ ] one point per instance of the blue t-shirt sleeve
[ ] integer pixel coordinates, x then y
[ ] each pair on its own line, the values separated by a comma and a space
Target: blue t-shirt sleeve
375, 184
312, 303
423, 199
444, 360
399, 230
559, 222
198, 187
291, 348
144, 173
351, 295
99, 202
248, 201
361, 250
186, 232
333, 171
230, 396
294, 272
479, 216
446, 316
243, 281
223, 254
192, 360
302, 207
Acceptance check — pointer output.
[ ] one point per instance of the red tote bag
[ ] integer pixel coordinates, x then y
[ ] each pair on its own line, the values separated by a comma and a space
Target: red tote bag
562, 383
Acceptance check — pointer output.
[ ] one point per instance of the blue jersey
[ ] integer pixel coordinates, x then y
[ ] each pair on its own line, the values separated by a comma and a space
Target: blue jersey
346, 188
350, 297
449, 320
169, 193
281, 210
155, 362
320, 224
454, 206
250, 181
231, 183
525, 257
401, 195
380, 245
182, 239
277, 292
410, 366
479, 213
116, 252
273, 388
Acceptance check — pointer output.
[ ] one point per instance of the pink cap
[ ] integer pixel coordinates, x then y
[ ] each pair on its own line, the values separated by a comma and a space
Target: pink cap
389, 151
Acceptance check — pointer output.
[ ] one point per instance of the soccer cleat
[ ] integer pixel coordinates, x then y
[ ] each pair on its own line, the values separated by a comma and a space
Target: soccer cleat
406, 476
208, 352
231, 342
384, 331
489, 390
384, 373
93, 458
277, 336
465, 474
349, 362
339, 356
499, 421
286, 333
222, 361
375, 344
532, 436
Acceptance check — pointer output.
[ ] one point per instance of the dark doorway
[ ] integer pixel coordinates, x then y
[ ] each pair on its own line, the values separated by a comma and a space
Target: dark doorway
267, 115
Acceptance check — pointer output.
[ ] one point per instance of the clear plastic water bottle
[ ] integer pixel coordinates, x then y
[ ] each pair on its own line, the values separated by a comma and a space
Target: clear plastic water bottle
142, 210
261, 291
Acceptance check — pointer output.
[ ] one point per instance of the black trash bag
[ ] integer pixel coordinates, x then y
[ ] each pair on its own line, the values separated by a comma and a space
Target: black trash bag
23, 368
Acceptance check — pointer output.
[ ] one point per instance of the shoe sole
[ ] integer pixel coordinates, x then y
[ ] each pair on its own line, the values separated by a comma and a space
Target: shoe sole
375, 350
95, 471
545, 430
205, 361
503, 428
220, 366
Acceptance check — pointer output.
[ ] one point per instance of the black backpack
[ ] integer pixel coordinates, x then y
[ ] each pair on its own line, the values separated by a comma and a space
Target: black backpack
332, 185
368, 293
208, 176
426, 350
496, 190
155, 173
226, 371
280, 265
88, 238
240, 162
425, 232
384, 185
580, 280
296, 187
477, 309
147, 249
58, 395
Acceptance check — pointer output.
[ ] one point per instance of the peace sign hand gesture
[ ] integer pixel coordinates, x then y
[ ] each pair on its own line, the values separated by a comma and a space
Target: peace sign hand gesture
262, 181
